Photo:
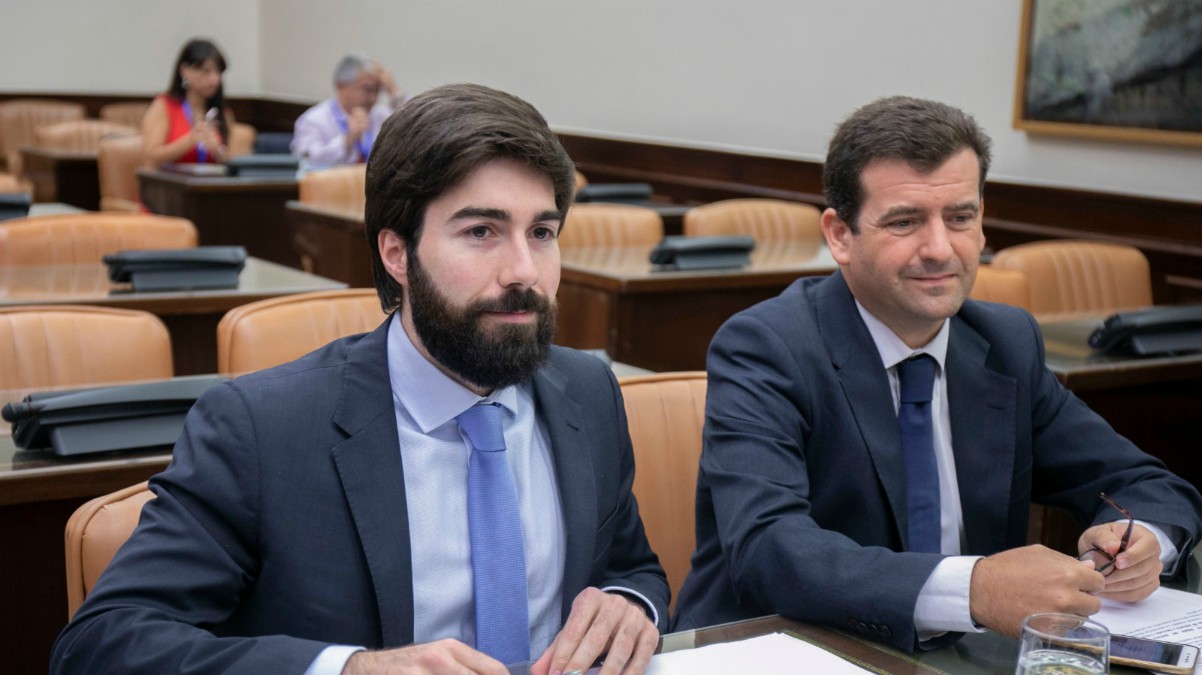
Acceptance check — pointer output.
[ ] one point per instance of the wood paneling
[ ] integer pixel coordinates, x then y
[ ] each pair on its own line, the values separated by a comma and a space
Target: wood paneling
1169, 232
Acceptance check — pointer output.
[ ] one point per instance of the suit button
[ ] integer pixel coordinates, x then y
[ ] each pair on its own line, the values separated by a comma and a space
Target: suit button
853, 624
886, 633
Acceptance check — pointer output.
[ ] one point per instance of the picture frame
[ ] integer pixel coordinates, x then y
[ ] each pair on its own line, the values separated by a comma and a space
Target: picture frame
1122, 70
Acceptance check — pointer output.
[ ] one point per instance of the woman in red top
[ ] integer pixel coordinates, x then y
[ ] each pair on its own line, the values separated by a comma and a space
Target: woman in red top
190, 122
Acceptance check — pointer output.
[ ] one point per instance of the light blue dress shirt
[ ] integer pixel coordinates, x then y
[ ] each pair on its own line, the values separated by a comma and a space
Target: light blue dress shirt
435, 455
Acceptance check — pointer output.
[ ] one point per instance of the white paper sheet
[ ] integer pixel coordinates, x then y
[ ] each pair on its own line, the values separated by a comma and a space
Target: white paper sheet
1167, 614
771, 653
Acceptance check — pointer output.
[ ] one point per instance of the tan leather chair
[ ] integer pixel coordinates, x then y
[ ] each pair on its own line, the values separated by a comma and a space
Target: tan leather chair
581, 180
59, 345
277, 330
72, 238
597, 224
10, 183
18, 119
763, 219
117, 162
997, 284
242, 139
1069, 275
665, 414
77, 135
129, 113
341, 188
94, 533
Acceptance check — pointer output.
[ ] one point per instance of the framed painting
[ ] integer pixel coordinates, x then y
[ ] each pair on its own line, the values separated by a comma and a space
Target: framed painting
1126, 70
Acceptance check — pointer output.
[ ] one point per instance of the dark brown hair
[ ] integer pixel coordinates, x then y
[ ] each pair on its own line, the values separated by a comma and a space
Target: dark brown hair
194, 53
432, 143
922, 133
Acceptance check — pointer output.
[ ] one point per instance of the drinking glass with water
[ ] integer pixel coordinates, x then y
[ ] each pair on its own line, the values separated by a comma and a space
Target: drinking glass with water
1063, 644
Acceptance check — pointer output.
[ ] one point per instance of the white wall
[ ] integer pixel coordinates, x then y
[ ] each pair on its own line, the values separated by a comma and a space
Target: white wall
121, 46
760, 76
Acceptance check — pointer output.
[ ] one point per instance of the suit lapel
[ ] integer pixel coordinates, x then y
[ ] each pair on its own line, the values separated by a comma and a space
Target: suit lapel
369, 465
570, 447
982, 410
866, 388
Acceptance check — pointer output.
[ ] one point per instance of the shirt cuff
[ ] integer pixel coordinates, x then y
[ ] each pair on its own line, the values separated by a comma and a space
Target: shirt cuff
331, 660
648, 606
1168, 549
943, 603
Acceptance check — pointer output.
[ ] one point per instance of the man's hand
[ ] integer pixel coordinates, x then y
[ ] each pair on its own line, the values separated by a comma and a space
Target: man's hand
1136, 570
444, 656
601, 623
357, 123
1011, 585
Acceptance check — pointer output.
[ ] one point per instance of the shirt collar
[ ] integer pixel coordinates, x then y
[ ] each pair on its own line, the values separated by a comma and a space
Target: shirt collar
893, 351
438, 399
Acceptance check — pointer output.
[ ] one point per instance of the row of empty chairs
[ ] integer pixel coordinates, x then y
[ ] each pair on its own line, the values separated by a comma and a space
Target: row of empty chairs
114, 138
75, 238
66, 345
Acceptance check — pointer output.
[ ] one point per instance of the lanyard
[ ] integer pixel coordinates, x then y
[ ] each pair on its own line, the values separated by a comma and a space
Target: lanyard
201, 155
364, 144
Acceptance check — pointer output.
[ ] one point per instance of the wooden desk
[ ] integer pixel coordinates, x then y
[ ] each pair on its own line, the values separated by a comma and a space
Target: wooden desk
38, 493
60, 176
191, 316
330, 242
974, 654
610, 298
1155, 402
226, 211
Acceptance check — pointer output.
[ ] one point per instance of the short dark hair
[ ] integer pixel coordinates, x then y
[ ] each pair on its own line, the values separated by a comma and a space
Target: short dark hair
922, 133
432, 143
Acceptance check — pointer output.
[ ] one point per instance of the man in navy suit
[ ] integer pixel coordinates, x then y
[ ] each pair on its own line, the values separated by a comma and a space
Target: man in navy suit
324, 516
811, 501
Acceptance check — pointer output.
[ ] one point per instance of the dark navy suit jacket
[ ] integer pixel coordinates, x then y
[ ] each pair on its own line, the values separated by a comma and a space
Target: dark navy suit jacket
801, 506
281, 526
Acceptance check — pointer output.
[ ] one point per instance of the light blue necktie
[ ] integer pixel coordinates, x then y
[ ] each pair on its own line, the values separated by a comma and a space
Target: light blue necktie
495, 527
916, 377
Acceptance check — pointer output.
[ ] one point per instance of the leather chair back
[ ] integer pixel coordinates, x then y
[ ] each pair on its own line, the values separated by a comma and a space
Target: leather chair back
599, 224
242, 139
73, 238
129, 113
18, 119
117, 162
61, 345
1069, 275
665, 414
341, 188
763, 219
998, 284
94, 533
277, 330
581, 180
77, 135
10, 183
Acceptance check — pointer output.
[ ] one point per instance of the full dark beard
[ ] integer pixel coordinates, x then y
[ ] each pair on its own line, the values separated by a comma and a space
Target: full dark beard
490, 358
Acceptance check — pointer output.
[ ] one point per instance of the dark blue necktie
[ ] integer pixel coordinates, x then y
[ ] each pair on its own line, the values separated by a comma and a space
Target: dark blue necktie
916, 377
495, 529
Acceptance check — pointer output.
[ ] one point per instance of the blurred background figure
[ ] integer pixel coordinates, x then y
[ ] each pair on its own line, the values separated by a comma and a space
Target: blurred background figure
340, 130
190, 122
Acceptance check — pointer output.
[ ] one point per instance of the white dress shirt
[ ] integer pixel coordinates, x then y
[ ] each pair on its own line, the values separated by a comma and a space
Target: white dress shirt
319, 138
943, 602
